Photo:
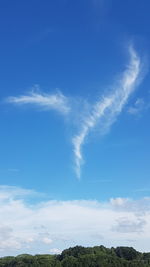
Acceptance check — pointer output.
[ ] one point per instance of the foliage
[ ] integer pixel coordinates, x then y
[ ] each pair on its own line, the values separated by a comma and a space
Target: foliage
79, 256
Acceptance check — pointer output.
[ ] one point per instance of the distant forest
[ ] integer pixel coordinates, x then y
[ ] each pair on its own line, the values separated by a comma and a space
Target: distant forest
79, 256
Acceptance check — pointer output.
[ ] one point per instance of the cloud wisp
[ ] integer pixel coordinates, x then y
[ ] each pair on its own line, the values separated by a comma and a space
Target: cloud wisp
102, 114
138, 107
106, 110
56, 101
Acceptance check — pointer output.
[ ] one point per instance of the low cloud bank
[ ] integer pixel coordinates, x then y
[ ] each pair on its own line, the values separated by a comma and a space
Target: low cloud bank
49, 225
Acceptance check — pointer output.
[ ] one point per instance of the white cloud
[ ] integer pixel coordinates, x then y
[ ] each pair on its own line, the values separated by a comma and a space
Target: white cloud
119, 202
102, 114
55, 251
106, 110
44, 225
56, 101
47, 240
7, 192
137, 107
126, 225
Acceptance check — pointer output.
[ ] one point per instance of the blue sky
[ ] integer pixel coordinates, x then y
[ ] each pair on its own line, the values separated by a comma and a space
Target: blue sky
74, 111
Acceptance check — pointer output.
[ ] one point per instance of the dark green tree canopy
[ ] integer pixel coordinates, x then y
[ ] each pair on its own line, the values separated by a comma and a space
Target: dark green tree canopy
79, 256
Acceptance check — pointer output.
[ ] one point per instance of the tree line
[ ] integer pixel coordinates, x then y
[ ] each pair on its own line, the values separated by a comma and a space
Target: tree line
98, 256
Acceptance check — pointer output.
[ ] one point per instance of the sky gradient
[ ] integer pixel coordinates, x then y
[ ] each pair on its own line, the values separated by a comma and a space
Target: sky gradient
74, 111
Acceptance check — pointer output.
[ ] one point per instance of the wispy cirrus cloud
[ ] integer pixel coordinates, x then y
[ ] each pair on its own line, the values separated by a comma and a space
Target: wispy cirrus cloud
105, 111
14, 192
55, 101
138, 107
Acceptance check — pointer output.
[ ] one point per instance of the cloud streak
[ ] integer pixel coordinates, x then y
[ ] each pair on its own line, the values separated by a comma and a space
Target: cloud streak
138, 107
56, 101
102, 114
106, 110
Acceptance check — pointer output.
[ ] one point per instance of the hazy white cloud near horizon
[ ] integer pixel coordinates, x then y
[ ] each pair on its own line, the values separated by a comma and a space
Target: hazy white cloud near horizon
51, 225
